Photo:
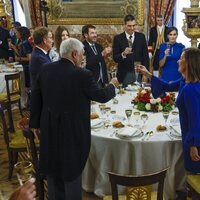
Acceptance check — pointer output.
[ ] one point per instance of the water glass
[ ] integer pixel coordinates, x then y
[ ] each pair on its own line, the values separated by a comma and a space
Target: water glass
137, 117
24, 170
128, 113
144, 118
165, 116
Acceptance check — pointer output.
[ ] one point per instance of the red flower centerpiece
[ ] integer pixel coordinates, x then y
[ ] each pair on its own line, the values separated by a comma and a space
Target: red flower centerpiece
145, 102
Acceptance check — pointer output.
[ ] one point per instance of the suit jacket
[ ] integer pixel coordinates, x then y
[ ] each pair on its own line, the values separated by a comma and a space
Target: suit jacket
153, 34
4, 35
38, 58
140, 53
94, 60
60, 107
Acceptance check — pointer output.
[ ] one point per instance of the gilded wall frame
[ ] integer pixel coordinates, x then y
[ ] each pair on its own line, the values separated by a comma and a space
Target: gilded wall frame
103, 12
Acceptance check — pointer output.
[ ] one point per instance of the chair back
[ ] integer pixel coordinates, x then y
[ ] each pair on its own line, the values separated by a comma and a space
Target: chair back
13, 85
32, 139
4, 124
136, 181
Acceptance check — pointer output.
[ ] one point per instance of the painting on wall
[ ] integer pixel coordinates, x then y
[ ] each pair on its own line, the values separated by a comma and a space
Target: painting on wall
94, 12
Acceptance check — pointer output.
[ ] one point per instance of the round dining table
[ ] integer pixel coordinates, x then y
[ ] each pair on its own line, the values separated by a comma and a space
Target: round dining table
146, 151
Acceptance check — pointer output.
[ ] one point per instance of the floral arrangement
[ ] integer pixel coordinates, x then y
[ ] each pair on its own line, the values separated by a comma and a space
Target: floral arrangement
145, 102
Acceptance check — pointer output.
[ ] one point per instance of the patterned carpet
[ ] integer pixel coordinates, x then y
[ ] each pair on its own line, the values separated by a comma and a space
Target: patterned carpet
7, 186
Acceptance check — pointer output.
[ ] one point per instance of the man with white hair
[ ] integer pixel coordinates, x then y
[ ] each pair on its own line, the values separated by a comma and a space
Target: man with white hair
60, 108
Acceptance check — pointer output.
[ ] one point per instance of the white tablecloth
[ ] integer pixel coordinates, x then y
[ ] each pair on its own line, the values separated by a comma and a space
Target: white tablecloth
133, 156
3, 83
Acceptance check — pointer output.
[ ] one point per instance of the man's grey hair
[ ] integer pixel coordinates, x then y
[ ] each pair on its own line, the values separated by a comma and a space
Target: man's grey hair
70, 45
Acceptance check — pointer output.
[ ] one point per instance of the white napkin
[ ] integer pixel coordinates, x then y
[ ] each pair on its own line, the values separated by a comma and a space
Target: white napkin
127, 131
96, 122
177, 130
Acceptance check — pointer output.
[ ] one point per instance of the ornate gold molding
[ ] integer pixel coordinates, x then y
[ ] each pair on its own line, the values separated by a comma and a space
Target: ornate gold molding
59, 13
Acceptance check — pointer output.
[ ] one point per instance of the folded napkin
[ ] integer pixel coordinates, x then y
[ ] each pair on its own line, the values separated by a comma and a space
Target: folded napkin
96, 122
177, 130
128, 131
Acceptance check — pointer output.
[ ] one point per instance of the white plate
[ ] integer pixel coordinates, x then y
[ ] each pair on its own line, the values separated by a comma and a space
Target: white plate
132, 88
18, 66
9, 70
96, 123
131, 133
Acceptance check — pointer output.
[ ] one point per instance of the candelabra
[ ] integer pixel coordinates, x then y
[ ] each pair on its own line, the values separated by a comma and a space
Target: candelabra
191, 23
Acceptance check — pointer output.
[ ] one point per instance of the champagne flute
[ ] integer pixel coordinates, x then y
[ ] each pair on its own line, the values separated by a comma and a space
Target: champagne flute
144, 118
113, 72
165, 116
169, 47
24, 170
128, 113
137, 117
136, 73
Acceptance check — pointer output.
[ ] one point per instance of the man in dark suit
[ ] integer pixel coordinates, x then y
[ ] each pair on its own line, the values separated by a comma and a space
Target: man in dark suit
4, 35
60, 107
129, 47
95, 55
157, 36
199, 46
43, 40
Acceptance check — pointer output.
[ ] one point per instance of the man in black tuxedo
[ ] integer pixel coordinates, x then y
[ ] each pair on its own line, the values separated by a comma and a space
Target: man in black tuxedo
199, 46
4, 35
95, 55
60, 107
157, 36
129, 47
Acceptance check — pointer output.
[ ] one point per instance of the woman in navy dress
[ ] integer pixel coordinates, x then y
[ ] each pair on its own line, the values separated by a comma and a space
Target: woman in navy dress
169, 55
188, 103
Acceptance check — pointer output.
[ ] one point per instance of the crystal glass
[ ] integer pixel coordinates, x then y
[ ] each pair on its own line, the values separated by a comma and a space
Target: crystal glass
169, 47
165, 116
136, 117
24, 171
144, 118
113, 72
102, 109
136, 73
128, 113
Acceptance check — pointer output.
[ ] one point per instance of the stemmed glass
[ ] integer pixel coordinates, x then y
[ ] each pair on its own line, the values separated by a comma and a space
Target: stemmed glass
102, 110
136, 73
169, 47
113, 72
128, 113
144, 118
165, 116
24, 170
137, 117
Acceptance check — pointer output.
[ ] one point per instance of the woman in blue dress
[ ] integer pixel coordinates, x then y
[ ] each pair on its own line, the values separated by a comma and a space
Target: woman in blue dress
169, 55
188, 103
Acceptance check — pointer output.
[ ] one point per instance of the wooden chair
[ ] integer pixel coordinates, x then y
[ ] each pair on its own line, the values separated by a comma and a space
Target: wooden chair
15, 141
32, 147
193, 184
137, 185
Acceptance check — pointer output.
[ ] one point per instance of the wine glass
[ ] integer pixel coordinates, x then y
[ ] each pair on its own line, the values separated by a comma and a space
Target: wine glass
144, 118
136, 73
137, 117
102, 109
169, 47
113, 72
24, 170
128, 113
165, 116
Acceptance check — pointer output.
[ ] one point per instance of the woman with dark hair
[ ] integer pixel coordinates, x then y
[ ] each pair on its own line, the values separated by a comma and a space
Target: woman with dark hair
61, 34
24, 52
169, 54
188, 103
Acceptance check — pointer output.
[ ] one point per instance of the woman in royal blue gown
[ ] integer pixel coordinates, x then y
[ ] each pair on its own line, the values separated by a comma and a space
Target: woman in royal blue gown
169, 54
188, 103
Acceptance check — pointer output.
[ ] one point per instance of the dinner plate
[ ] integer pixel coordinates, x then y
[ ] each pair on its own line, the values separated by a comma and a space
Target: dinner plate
9, 70
128, 134
132, 88
96, 123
